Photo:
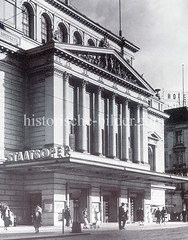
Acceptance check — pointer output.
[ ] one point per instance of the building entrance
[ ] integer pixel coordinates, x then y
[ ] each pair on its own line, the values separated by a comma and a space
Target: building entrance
33, 199
110, 206
136, 202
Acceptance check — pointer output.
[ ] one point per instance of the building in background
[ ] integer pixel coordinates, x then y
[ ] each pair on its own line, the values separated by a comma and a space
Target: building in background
79, 125
174, 99
176, 157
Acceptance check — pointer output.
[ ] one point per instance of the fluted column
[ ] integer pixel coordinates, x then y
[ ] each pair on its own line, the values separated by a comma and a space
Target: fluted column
112, 137
98, 122
2, 115
137, 135
82, 145
65, 108
125, 130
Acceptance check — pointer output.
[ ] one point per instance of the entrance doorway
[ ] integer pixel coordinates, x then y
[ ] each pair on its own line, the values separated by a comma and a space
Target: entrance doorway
33, 200
110, 206
136, 202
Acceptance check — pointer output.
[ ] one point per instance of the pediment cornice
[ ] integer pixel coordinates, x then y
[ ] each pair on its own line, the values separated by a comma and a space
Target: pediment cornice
117, 69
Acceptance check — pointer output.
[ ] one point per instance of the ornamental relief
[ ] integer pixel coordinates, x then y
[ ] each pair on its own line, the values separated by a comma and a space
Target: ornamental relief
109, 63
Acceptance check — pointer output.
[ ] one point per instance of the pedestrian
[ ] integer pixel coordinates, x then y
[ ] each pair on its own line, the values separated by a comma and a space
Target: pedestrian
5, 215
184, 215
85, 217
67, 216
37, 218
158, 216
122, 216
163, 215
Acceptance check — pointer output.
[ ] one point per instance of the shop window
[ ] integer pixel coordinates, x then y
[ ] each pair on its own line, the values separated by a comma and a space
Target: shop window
45, 28
27, 20
77, 39
91, 43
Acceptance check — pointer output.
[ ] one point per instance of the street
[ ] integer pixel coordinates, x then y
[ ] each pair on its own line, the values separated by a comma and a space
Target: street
109, 231
158, 232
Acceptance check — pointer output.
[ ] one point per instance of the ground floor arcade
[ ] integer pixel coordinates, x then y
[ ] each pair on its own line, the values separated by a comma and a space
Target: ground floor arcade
80, 182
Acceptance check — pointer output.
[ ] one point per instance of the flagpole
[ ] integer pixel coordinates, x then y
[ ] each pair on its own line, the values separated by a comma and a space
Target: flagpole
120, 30
183, 84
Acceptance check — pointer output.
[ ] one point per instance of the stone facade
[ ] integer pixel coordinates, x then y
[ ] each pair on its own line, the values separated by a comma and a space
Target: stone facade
79, 124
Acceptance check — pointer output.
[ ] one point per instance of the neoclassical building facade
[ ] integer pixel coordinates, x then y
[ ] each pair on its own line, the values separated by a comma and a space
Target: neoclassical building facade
79, 125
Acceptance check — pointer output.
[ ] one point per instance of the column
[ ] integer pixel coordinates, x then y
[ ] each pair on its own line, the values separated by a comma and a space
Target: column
65, 108
53, 109
112, 137
97, 124
2, 116
145, 134
137, 135
125, 131
141, 134
82, 145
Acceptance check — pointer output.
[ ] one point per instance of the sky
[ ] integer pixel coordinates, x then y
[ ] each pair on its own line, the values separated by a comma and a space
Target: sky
158, 27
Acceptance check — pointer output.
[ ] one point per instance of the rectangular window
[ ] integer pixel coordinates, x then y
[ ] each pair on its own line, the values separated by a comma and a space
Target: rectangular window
103, 143
178, 137
179, 157
88, 139
10, 12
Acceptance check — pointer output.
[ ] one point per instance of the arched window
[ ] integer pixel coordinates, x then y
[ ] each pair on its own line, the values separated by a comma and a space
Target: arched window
27, 20
62, 34
91, 42
45, 28
77, 39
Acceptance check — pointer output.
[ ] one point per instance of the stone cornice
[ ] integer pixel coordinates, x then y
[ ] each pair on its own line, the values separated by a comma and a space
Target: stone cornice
91, 24
158, 113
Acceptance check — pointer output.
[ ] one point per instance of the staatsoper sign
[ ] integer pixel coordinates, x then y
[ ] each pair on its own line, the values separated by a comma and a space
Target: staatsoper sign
28, 155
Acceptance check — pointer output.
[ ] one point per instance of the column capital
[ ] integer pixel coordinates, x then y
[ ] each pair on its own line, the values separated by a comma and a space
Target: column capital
126, 100
99, 89
114, 95
66, 75
84, 83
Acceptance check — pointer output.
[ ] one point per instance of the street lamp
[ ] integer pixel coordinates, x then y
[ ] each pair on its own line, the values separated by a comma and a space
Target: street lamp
76, 226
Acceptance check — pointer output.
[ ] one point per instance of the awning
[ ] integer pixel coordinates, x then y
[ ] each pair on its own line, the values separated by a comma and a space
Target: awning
95, 166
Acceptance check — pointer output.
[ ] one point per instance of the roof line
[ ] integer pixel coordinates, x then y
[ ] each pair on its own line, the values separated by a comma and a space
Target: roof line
87, 21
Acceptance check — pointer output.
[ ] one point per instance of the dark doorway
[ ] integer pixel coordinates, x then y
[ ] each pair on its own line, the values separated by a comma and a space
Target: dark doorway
110, 206
33, 200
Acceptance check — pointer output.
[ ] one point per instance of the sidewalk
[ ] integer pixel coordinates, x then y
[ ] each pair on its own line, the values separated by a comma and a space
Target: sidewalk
55, 232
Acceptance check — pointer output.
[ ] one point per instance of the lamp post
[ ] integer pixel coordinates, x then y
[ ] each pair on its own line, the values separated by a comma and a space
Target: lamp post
76, 226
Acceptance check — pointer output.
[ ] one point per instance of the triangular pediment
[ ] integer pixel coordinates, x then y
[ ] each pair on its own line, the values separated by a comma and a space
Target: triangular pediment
110, 61
154, 136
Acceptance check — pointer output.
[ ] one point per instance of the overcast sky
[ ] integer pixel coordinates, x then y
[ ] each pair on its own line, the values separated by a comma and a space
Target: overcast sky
158, 27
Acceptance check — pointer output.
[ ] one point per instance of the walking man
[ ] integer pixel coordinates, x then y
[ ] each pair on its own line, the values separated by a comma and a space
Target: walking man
122, 216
